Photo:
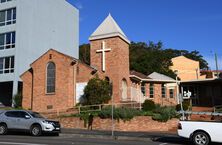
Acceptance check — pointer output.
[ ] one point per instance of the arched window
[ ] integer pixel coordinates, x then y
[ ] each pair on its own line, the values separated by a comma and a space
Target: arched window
124, 90
50, 84
107, 79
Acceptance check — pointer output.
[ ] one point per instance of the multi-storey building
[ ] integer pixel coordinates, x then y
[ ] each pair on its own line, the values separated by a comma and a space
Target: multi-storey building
28, 28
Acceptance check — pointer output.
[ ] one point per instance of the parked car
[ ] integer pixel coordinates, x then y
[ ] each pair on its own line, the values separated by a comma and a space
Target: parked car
200, 132
22, 120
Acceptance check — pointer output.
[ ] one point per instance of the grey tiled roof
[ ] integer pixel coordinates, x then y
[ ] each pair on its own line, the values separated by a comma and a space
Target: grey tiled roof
158, 76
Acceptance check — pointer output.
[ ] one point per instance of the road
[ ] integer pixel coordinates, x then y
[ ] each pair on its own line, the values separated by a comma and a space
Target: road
69, 139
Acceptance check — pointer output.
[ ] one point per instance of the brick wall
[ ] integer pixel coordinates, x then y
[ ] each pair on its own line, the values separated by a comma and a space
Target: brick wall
27, 89
63, 97
157, 98
117, 63
140, 123
84, 72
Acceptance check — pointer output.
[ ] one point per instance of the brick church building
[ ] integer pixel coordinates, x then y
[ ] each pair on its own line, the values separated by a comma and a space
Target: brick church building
55, 81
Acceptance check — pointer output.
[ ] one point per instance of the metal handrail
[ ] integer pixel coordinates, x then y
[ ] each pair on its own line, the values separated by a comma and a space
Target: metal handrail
217, 106
100, 106
200, 113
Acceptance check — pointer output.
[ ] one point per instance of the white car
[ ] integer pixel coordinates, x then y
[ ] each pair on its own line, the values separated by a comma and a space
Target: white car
200, 132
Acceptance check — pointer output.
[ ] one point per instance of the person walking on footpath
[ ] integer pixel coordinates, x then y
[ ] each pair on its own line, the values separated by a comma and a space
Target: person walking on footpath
90, 121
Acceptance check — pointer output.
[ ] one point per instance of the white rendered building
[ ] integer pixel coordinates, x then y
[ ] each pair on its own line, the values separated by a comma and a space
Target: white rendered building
28, 28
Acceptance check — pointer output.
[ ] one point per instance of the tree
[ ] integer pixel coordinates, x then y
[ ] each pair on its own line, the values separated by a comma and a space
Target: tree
148, 58
18, 100
84, 53
97, 91
151, 57
194, 55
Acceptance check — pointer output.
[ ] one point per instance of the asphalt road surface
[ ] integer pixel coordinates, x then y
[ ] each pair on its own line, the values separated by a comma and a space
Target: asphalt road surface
69, 139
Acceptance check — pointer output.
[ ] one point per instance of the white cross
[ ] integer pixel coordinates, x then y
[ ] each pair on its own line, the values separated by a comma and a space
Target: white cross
103, 50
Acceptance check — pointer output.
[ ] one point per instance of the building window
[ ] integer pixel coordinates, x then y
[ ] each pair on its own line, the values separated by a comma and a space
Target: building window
163, 88
171, 93
8, 17
151, 90
143, 89
7, 40
2, 1
7, 65
50, 87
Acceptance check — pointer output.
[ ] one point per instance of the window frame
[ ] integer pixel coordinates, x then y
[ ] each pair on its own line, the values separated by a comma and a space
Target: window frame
163, 91
9, 16
10, 68
3, 1
46, 87
12, 40
143, 89
171, 95
151, 89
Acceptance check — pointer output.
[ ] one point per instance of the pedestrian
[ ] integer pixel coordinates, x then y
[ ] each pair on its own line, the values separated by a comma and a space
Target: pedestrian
90, 121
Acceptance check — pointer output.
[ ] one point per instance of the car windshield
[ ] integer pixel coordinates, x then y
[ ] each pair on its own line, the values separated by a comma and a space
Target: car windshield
36, 115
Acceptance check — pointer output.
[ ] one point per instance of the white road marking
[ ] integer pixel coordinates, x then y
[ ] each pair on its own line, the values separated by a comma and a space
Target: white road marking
163, 144
13, 143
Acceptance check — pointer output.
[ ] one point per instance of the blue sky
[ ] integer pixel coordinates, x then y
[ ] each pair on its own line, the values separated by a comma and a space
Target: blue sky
179, 24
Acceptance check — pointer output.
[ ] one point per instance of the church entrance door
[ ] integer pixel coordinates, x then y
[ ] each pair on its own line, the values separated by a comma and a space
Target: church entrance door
124, 90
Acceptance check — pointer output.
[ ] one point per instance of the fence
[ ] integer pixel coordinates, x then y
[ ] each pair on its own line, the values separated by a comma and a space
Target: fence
218, 108
99, 107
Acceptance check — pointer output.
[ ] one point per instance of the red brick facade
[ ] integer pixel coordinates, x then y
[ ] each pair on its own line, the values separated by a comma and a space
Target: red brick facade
141, 123
157, 96
84, 72
70, 71
34, 82
117, 64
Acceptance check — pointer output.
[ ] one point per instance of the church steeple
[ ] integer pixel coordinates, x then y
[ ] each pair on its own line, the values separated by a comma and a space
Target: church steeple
108, 28
109, 53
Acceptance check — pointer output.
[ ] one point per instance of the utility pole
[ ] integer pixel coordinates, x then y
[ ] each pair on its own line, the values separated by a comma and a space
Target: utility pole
112, 117
216, 65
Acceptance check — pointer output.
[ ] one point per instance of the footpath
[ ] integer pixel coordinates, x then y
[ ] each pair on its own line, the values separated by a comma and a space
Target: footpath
118, 134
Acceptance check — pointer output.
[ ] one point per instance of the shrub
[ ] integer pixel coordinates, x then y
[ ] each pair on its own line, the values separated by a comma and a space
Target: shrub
97, 91
119, 113
163, 114
105, 112
148, 105
186, 105
18, 100
160, 117
147, 113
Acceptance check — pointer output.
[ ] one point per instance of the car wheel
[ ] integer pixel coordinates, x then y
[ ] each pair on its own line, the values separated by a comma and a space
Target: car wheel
201, 138
3, 129
36, 130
